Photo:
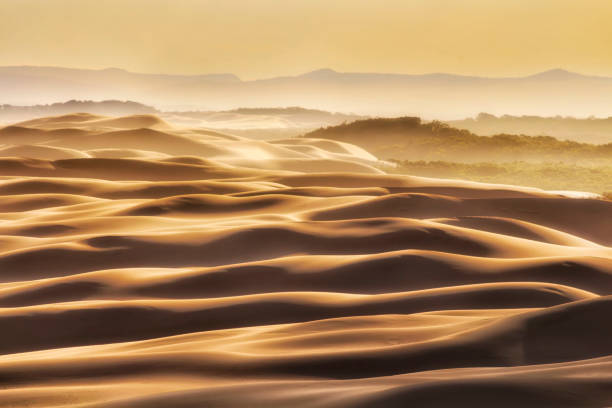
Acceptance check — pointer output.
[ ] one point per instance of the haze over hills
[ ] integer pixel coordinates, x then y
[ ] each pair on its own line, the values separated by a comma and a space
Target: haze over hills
589, 130
261, 122
410, 138
264, 123
433, 96
436, 149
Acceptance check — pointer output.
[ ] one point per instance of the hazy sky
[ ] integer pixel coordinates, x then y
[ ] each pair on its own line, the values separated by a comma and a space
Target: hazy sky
263, 38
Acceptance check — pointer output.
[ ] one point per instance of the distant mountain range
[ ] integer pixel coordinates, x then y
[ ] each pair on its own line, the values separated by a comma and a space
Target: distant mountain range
439, 96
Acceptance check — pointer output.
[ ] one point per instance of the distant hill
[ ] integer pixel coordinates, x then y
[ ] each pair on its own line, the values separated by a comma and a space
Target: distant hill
589, 130
409, 138
441, 96
11, 113
27, 85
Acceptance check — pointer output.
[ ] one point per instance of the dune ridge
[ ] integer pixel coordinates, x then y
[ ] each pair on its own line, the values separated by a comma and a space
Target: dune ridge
144, 265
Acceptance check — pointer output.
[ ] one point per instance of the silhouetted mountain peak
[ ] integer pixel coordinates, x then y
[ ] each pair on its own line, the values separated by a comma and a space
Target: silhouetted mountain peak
556, 73
321, 73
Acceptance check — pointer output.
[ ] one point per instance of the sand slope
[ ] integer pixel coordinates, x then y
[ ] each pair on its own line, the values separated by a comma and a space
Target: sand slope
143, 265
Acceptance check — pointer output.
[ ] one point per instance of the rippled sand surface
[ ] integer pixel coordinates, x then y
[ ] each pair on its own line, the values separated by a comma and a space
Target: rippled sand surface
143, 265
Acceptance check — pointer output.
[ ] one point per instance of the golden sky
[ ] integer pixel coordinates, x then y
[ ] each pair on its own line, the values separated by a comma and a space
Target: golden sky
264, 38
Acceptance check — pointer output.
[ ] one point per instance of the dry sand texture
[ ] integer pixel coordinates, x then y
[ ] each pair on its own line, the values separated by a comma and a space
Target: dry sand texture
143, 265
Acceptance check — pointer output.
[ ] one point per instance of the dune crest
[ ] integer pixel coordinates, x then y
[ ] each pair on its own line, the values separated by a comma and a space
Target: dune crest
145, 265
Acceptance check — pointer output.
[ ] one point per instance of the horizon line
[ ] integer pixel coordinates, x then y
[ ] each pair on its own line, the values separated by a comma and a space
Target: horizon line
328, 70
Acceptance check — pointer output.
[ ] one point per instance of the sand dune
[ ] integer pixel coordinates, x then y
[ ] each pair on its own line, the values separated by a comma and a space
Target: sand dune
143, 265
88, 120
41, 152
